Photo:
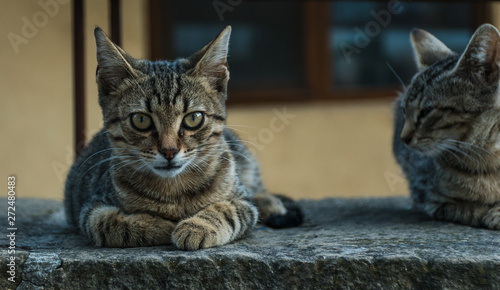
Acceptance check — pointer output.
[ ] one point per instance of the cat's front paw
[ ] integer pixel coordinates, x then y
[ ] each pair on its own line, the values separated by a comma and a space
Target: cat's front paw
492, 219
193, 234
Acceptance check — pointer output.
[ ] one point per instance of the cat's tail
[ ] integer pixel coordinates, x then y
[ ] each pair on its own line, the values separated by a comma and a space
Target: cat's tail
278, 211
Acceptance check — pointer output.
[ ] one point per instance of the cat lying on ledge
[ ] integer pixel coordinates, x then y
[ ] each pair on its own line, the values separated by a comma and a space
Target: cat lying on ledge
447, 130
165, 169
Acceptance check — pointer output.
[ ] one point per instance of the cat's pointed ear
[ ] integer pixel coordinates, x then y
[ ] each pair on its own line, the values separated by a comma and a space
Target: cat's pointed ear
113, 64
481, 59
427, 48
211, 61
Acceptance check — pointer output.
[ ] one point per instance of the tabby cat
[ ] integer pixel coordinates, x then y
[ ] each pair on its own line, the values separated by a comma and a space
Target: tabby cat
165, 169
447, 129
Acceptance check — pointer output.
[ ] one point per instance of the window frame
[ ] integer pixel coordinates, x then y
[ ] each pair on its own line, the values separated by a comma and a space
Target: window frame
318, 74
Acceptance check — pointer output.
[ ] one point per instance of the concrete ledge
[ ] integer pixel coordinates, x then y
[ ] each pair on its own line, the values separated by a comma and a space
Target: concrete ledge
344, 243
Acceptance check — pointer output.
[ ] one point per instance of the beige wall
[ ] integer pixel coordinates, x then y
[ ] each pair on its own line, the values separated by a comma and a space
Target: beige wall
327, 149
37, 122
36, 97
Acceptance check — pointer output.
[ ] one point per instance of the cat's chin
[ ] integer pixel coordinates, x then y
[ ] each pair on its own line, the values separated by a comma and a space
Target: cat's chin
168, 171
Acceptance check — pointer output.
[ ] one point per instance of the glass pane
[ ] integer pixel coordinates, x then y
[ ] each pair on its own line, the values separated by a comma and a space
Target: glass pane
365, 36
265, 50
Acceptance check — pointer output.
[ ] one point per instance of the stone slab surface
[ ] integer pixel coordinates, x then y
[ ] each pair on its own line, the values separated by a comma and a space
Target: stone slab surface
344, 243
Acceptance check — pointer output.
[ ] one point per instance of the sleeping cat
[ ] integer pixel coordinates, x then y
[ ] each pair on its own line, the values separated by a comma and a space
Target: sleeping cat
447, 131
165, 169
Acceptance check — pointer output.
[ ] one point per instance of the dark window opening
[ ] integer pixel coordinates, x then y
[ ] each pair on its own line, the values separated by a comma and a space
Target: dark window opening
311, 50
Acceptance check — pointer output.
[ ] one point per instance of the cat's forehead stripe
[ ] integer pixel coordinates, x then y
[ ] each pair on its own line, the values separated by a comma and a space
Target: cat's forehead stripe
440, 67
156, 91
430, 75
178, 89
165, 75
186, 105
148, 105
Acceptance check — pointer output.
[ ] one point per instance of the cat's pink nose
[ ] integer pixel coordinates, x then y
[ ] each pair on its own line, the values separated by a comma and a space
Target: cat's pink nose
169, 153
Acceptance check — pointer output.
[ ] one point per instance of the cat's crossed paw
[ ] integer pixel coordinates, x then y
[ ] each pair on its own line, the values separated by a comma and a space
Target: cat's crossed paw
194, 234
492, 219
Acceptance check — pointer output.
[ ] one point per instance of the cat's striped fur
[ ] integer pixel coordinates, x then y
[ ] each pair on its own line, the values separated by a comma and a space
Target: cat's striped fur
447, 131
154, 175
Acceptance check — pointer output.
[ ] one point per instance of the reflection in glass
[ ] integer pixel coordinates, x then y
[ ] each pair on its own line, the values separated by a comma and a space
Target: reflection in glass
365, 36
265, 50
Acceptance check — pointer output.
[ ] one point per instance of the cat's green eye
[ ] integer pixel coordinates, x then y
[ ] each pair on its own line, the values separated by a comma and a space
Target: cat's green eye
193, 121
141, 122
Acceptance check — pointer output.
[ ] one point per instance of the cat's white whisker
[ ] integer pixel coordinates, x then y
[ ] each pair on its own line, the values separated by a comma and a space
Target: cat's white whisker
123, 164
444, 148
138, 169
472, 150
237, 130
246, 126
197, 168
219, 156
397, 76
471, 145
456, 149
234, 153
204, 162
251, 143
102, 161
101, 151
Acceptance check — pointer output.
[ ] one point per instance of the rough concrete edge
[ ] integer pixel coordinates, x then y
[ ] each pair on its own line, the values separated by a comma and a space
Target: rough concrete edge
259, 271
32, 277
22, 256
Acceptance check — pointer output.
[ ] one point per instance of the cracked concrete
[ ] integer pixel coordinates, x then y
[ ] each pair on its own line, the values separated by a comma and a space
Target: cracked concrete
344, 243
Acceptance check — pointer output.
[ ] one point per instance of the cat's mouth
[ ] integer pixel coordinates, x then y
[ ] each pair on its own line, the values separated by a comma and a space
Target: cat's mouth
168, 170
167, 167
